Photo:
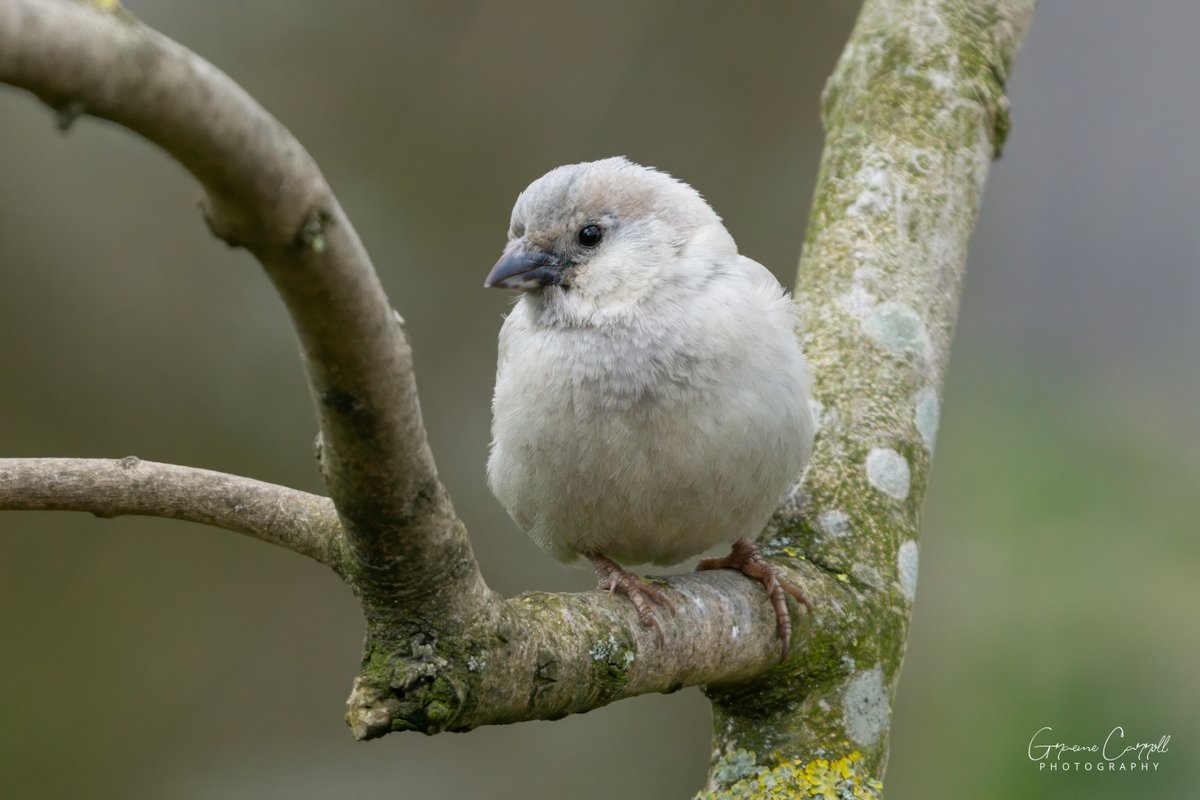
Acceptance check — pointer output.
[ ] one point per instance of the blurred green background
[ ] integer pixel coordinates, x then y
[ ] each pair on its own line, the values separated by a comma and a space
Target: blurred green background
155, 659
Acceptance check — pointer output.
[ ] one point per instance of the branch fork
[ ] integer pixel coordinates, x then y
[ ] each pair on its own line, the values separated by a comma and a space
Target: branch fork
915, 111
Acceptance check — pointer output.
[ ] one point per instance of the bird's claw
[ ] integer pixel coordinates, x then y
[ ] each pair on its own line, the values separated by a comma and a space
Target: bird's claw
643, 594
746, 559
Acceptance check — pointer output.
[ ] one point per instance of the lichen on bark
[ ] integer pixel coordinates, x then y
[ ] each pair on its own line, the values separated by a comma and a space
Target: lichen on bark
914, 113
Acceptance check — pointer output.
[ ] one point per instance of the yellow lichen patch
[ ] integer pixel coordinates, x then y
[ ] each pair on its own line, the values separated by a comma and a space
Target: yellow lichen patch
837, 780
111, 7
828, 779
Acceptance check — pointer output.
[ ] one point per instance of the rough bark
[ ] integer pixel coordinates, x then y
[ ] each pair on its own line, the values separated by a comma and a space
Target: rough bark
915, 111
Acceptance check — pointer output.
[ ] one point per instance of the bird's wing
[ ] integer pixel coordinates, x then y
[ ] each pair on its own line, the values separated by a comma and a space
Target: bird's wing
765, 283
758, 275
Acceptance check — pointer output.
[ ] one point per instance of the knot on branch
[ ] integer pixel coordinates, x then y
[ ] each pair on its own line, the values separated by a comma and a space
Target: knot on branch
999, 109
67, 112
409, 688
312, 232
221, 222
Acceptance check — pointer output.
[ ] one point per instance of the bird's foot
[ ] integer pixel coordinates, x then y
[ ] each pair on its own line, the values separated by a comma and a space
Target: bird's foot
644, 595
746, 559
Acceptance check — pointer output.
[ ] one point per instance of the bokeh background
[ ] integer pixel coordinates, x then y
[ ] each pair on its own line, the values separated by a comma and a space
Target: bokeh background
1059, 570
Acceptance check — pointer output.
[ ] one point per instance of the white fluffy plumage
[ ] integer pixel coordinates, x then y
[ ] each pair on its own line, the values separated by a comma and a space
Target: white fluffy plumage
651, 396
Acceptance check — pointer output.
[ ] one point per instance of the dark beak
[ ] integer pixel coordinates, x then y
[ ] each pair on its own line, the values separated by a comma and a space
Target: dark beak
524, 270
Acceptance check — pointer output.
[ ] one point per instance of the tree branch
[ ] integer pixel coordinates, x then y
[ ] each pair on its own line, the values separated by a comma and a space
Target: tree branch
544, 656
299, 521
914, 112
265, 193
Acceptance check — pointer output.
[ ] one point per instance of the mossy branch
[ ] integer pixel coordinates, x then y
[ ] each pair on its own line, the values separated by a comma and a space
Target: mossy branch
915, 111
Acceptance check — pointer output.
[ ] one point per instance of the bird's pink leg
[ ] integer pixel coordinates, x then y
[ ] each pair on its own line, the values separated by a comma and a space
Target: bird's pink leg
644, 596
745, 558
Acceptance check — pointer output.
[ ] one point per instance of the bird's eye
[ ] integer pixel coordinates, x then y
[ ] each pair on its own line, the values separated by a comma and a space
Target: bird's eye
590, 235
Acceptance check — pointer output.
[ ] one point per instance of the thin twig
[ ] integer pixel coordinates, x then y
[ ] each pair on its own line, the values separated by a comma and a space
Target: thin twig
303, 522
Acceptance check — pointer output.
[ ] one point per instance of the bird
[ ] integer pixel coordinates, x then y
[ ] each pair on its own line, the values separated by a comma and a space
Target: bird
651, 397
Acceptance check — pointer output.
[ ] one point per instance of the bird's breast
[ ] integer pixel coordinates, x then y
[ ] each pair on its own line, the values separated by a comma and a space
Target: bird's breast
637, 447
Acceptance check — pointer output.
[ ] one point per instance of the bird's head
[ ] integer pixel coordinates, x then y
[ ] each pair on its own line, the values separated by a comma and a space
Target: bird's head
609, 234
